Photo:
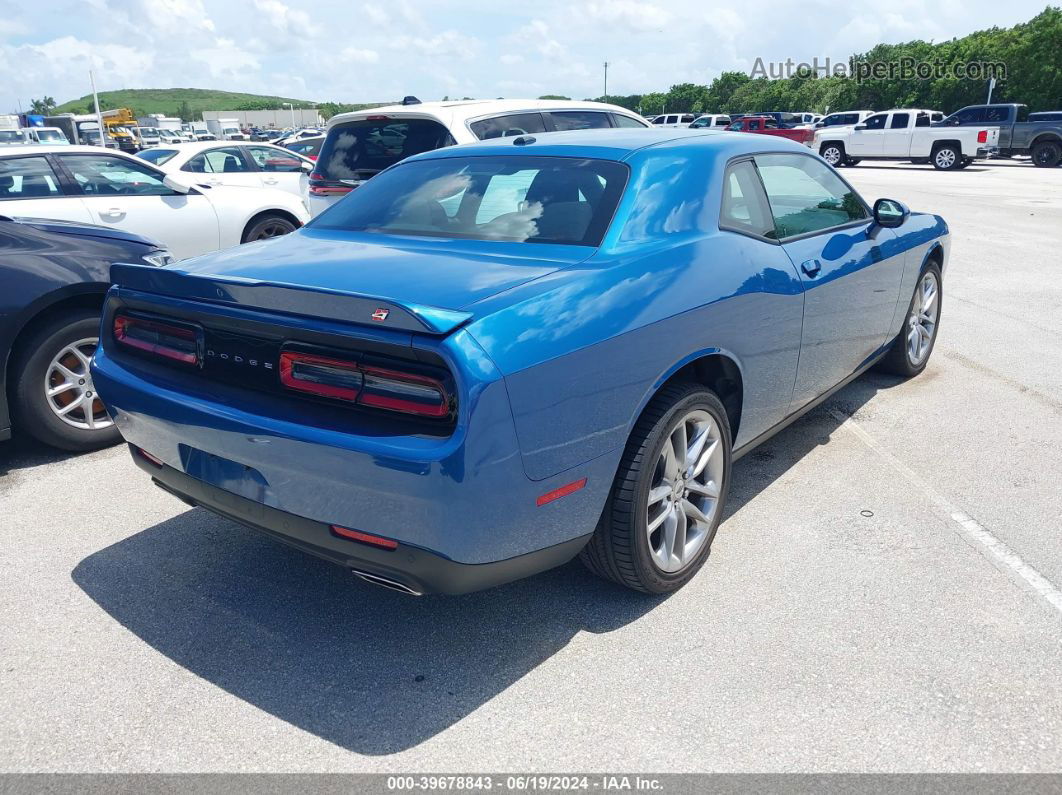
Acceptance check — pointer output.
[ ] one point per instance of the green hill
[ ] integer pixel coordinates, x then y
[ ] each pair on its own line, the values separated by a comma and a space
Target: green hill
169, 100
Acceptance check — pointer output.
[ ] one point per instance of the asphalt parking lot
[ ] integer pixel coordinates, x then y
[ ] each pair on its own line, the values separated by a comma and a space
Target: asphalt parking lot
883, 595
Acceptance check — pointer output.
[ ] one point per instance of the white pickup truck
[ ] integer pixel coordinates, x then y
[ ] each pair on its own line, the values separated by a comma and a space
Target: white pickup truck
906, 134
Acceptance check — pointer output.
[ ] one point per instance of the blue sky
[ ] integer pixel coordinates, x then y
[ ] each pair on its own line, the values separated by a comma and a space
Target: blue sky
351, 51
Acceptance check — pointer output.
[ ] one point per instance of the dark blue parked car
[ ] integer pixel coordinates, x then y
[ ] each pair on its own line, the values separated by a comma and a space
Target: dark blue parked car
54, 276
494, 357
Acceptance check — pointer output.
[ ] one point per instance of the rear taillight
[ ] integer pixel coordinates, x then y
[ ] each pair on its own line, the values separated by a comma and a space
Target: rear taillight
166, 340
982, 137
320, 186
365, 385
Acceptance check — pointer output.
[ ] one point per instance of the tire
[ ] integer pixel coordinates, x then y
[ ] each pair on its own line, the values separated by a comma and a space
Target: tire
1047, 154
622, 549
900, 359
267, 226
946, 157
833, 153
87, 425
852, 161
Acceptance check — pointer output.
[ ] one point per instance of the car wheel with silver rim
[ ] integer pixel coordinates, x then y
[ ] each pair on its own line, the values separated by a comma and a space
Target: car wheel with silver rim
55, 399
911, 350
669, 493
946, 158
833, 154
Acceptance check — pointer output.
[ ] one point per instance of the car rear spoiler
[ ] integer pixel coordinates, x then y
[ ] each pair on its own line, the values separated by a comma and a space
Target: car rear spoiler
293, 299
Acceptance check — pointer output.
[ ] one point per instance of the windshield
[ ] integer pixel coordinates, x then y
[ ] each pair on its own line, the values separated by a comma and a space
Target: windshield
360, 148
512, 198
156, 156
51, 135
11, 137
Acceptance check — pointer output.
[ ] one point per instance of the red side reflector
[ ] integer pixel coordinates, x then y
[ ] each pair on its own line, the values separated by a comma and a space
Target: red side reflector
149, 457
982, 137
563, 491
365, 538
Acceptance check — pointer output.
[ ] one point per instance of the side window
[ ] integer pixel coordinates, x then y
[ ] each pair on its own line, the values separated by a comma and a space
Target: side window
506, 126
806, 196
104, 175
626, 121
744, 207
736, 126
579, 119
722, 121
968, 116
899, 121
198, 165
922, 120
997, 113
27, 178
229, 160
274, 159
687, 118
659, 120
876, 122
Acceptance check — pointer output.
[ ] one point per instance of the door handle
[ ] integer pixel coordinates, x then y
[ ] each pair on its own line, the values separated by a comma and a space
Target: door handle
811, 267
114, 212
273, 181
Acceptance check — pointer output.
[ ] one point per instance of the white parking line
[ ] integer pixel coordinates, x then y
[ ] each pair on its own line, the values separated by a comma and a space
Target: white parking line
980, 537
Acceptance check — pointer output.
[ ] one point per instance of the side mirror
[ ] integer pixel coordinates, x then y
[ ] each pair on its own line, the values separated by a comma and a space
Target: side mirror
176, 185
307, 167
890, 213
860, 126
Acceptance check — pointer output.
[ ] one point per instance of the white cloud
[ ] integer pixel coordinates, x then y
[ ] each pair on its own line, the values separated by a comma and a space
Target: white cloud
287, 20
225, 60
630, 14
353, 54
448, 44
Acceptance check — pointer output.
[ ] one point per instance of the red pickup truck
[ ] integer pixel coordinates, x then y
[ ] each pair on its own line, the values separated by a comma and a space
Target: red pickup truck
765, 125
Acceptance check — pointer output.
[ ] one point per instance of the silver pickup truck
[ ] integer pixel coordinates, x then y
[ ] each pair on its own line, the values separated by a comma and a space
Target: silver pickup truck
1038, 135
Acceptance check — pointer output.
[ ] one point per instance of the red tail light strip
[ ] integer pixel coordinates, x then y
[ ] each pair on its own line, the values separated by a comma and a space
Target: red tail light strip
377, 387
161, 339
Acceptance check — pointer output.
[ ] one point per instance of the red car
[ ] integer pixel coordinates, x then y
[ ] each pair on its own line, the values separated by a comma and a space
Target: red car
765, 125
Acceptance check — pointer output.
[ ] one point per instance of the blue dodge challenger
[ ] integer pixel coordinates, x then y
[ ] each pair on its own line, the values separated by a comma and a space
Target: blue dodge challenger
492, 358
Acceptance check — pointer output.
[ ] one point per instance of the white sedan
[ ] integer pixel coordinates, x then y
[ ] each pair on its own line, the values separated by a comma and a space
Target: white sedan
87, 184
248, 165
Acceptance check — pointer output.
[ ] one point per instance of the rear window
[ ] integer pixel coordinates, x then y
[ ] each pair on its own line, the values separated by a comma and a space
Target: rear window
507, 198
361, 148
157, 156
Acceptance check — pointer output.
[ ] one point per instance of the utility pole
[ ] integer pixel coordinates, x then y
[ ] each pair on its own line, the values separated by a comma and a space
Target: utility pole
991, 85
292, 106
606, 81
99, 116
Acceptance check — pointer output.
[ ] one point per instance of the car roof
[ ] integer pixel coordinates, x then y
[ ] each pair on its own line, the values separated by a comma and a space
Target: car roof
64, 149
617, 144
458, 111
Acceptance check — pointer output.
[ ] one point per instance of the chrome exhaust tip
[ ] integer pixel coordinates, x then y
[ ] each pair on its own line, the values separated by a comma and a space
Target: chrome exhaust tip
385, 582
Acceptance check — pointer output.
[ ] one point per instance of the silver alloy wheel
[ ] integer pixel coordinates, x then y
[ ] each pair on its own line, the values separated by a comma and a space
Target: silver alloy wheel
832, 155
684, 495
69, 390
922, 321
945, 158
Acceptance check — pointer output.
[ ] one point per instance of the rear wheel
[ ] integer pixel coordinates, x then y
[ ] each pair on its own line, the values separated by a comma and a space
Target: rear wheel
669, 494
1046, 154
268, 226
833, 154
54, 399
910, 351
946, 157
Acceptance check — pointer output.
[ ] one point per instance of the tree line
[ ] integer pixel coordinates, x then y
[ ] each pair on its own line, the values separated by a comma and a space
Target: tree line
1031, 52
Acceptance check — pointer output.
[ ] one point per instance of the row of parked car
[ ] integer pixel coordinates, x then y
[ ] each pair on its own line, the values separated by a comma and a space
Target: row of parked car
182, 199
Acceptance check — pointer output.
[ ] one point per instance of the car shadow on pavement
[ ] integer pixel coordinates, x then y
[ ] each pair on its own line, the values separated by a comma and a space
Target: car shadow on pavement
23, 453
368, 669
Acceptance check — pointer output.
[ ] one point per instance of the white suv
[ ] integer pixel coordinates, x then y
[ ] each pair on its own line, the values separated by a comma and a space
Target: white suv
673, 120
361, 144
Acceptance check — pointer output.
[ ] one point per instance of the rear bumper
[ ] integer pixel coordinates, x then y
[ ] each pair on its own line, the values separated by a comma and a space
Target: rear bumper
407, 568
986, 151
